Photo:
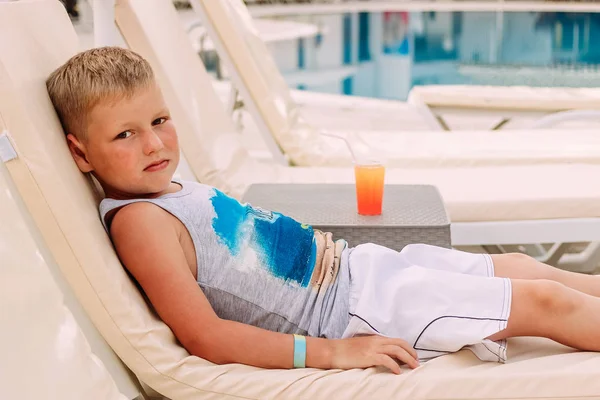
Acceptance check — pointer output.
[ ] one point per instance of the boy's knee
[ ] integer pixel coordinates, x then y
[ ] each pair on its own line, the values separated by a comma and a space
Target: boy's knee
517, 258
548, 296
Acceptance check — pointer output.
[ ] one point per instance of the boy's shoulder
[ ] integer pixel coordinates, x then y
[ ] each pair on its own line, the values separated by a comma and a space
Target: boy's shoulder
138, 216
138, 212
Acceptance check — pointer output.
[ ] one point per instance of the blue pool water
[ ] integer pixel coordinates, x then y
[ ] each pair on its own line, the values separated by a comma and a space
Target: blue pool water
393, 51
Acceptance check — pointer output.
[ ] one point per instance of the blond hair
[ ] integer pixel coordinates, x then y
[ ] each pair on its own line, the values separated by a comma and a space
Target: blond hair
104, 73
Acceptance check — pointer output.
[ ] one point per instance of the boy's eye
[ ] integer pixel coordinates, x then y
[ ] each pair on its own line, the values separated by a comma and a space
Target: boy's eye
159, 121
124, 135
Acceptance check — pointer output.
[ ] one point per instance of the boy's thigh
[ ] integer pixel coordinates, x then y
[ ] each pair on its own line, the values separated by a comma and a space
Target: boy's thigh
538, 307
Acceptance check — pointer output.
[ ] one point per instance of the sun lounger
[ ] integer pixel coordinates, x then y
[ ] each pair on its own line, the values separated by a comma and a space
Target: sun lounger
454, 107
44, 351
286, 132
63, 205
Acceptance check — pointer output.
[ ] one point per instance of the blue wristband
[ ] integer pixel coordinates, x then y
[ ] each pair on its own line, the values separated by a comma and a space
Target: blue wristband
299, 351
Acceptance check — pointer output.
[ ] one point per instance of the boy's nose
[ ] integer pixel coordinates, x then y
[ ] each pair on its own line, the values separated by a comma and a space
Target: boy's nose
153, 143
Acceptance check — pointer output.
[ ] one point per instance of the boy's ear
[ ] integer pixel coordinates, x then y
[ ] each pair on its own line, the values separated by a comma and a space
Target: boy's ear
78, 152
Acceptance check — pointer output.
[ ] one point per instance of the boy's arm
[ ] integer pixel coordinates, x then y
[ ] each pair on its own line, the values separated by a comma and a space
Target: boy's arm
147, 242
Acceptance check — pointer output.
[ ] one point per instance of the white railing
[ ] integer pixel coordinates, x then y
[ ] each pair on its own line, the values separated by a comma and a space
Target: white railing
260, 2
308, 2
266, 8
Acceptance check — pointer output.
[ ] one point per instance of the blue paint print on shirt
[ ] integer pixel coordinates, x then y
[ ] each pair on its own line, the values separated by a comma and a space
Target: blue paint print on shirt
230, 217
284, 247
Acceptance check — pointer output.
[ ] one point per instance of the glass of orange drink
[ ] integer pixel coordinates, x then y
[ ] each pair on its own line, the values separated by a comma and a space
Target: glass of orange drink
369, 187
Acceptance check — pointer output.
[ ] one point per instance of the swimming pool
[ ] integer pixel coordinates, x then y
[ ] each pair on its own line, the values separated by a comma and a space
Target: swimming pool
385, 54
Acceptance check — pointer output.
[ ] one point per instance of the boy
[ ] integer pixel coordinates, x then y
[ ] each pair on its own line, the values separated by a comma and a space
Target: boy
264, 276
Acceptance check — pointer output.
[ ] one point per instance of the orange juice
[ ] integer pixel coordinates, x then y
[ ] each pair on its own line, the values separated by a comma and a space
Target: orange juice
369, 188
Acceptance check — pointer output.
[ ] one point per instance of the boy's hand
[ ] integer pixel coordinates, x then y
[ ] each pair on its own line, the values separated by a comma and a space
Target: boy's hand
371, 351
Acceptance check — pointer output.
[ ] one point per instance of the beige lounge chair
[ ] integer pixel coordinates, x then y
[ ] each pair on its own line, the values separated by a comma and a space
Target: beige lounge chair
45, 354
288, 134
63, 205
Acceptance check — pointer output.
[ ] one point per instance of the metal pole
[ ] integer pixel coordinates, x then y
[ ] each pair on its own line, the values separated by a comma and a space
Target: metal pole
499, 37
105, 31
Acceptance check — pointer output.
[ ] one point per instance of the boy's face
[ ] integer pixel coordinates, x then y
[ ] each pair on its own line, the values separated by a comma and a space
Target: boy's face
130, 145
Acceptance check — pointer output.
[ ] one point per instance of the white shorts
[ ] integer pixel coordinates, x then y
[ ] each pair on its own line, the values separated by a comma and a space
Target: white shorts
438, 300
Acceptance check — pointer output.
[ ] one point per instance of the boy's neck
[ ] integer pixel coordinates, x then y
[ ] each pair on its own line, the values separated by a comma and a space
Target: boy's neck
119, 195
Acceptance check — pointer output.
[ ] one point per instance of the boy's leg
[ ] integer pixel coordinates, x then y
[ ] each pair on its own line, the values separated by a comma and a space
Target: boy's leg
521, 266
550, 309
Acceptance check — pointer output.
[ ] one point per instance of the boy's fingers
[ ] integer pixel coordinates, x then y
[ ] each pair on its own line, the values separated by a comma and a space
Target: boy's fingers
387, 361
402, 355
410, 350
404, 344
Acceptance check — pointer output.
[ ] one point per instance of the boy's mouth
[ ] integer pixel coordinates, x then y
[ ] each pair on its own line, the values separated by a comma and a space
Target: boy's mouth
157, 166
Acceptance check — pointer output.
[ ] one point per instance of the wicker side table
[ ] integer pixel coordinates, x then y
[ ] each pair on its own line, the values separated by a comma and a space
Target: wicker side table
411, 213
